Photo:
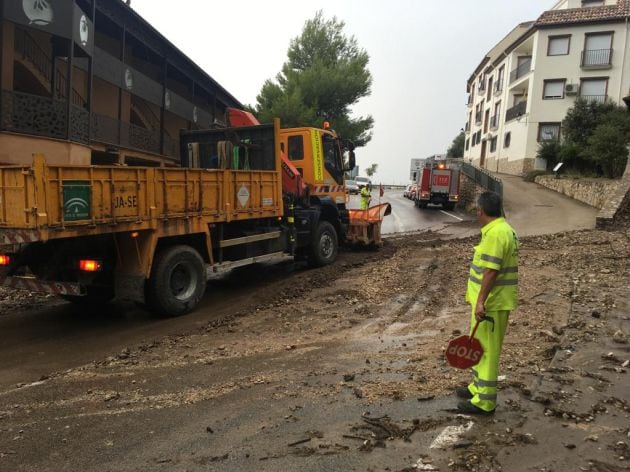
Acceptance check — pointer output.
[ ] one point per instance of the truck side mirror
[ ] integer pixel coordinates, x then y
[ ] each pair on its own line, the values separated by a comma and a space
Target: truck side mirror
352, 161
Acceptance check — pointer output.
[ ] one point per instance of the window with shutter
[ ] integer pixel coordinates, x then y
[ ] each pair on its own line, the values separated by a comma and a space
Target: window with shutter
554, 89
559, 45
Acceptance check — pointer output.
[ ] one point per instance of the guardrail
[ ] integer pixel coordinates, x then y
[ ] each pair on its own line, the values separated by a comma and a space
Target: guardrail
483, 178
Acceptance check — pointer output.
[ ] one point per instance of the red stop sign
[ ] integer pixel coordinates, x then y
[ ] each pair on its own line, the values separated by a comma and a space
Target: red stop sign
464, 352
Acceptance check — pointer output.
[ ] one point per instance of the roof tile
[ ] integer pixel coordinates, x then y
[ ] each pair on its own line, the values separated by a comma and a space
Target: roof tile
620, 11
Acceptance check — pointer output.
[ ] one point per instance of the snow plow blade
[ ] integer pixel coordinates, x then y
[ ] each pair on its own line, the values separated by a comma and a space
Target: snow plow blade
365, 225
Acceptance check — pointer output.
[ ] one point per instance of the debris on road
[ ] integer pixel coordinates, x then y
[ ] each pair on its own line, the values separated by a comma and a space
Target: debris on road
367, 333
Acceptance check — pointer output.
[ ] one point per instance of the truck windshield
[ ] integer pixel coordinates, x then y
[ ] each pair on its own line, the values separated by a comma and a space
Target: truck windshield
332, 158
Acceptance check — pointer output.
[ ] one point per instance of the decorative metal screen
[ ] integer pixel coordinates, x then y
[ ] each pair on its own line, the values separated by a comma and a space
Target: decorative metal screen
32, 114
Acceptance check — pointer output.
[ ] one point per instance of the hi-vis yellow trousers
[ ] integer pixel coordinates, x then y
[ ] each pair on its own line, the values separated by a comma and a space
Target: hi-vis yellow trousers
486, 373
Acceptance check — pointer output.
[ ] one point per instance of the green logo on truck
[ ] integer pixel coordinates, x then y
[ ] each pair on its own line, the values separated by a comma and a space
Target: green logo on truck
76, 200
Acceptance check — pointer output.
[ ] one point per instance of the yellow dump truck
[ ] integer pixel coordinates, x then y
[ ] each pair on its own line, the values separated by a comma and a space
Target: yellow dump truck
154, 235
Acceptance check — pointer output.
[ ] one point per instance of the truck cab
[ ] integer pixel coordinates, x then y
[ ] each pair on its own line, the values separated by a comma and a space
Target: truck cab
316, 154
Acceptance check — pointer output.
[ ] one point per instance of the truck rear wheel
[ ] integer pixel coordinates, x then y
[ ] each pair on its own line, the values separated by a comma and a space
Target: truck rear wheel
177, 282
324, 245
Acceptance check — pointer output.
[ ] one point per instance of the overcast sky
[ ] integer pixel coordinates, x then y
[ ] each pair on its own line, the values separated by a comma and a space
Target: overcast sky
421, 54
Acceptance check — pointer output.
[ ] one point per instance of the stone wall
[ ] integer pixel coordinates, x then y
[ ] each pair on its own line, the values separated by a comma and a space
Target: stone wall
593, 192
517, 167
468, 192
616, 211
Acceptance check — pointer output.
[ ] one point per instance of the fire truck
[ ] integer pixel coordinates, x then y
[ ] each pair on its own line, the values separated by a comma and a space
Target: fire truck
438, 184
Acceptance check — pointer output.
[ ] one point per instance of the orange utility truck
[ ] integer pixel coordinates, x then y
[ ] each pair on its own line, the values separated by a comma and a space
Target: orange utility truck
244, 194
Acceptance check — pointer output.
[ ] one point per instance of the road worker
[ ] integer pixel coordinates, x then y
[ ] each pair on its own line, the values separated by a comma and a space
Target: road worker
365, 198
492, 293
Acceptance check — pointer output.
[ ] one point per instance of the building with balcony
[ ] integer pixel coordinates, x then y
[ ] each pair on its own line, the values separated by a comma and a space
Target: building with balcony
91, 82
521, 91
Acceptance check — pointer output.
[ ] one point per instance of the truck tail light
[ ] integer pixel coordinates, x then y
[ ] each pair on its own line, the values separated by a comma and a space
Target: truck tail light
4, 260
87, 265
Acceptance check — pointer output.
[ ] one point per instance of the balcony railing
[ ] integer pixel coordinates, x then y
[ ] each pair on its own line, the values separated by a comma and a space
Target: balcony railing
522, 70
478, 117
498, 86
494, 122
594, 98
28, 48
171, 146
516, 111
44, 116
32, 114
597, 58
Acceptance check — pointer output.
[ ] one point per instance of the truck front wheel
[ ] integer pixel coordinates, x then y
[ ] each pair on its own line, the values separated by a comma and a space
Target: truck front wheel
177, 281
324, 245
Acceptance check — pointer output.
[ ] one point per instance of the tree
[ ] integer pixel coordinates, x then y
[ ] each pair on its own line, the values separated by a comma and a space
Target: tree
596, 136
549, 151
457, 147
325, 74
582, 119
370, 171
609, 149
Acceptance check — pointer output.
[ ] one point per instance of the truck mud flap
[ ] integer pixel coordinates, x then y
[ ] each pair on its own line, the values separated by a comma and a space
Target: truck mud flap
34, 285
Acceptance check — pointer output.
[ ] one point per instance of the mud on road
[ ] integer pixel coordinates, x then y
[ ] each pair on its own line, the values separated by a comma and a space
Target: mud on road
342, 368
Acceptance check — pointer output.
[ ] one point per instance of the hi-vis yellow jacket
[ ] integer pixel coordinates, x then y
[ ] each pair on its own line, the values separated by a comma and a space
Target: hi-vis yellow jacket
498, 250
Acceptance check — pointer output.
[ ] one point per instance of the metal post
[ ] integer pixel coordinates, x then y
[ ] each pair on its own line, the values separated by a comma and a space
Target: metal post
121, 84
1, 65
91, 77
214, 107
69, 86
163, 109
194, 124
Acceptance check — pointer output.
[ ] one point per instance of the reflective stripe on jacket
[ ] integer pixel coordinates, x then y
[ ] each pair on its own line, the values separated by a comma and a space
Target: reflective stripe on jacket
498, 250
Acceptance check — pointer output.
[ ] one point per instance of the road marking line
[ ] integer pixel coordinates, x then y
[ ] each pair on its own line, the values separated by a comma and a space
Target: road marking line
456, 217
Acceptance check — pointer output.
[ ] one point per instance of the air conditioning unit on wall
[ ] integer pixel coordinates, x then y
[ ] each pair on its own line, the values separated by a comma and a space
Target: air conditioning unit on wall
571, 89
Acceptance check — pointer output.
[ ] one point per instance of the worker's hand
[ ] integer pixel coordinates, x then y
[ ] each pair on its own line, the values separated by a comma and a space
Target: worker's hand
480, 311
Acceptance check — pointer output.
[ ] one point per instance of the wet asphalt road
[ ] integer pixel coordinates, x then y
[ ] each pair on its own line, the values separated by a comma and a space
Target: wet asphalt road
406, 217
